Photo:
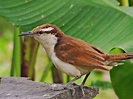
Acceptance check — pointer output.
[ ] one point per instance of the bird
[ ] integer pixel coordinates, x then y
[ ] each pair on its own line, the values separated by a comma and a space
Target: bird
71, 55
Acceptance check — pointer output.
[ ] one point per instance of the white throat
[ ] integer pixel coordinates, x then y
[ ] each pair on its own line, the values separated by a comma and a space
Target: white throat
48, 41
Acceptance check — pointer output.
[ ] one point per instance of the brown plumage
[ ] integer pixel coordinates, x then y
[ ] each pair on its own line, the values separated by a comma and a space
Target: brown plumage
117, 57
79, 53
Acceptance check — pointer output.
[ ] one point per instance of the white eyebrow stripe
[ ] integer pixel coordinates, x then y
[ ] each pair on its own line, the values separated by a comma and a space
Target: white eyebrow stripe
47, 29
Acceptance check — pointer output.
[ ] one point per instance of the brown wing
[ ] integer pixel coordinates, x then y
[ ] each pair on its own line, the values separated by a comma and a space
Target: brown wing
79, 53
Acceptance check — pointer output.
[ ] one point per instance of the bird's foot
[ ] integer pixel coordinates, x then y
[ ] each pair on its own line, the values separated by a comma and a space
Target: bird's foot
70, 86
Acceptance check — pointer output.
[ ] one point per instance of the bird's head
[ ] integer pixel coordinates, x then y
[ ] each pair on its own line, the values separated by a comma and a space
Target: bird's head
43, 31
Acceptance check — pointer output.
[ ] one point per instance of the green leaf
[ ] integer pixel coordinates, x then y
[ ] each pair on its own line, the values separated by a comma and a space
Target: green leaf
127, 46
116, 51
15, 66
116, 2
121, 75
122, 78
98, 22
128, 10
46, 71
102, 84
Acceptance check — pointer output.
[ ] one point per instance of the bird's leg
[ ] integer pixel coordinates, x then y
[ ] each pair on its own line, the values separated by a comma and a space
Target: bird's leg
69, 85
87, 75
82, 84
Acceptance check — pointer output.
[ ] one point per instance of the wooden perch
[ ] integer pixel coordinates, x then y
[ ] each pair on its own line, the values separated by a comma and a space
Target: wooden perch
23, 88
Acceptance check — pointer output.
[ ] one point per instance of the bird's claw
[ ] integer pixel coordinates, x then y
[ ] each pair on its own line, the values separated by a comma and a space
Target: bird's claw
71, 87
82, 89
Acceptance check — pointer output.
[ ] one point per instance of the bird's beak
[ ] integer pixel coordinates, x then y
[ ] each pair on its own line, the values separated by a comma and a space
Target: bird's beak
26, 34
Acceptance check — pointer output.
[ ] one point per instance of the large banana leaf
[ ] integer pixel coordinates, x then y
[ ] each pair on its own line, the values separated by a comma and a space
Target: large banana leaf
98, 22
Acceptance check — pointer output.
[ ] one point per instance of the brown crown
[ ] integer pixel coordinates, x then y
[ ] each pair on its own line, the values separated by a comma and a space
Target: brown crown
56, 31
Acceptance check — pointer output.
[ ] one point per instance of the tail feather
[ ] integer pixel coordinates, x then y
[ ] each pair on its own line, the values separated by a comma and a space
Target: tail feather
117, 57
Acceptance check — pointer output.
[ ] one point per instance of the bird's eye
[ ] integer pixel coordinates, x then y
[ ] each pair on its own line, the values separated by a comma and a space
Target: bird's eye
40, 32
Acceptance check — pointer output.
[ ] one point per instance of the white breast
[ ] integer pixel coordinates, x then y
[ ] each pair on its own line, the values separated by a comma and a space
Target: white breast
65, 67
48, 41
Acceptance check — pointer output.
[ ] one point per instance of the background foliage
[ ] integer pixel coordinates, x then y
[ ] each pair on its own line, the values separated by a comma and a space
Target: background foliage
102, 23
